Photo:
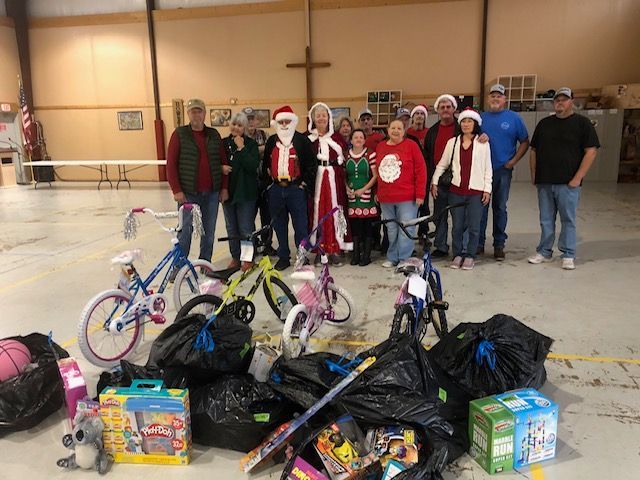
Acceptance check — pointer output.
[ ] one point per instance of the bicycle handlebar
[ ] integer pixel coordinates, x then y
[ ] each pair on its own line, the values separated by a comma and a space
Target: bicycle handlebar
130, 223
426, 219
249, 238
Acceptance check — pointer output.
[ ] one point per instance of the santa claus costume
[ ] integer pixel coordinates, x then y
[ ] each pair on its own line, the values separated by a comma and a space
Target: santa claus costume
330, 189
289, 163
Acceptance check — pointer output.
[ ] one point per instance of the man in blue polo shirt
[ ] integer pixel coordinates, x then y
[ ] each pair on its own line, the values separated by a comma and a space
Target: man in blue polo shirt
509, 141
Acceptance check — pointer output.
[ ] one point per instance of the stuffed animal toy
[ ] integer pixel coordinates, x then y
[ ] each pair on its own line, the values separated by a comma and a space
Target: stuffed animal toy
86, 442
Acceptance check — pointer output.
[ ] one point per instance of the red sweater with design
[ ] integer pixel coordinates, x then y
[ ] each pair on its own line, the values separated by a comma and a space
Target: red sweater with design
402, 173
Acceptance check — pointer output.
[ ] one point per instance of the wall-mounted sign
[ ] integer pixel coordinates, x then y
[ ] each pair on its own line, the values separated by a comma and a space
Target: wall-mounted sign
5, 107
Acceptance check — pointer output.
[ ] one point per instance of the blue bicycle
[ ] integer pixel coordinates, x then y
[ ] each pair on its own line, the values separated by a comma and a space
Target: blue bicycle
112, 323
419, 301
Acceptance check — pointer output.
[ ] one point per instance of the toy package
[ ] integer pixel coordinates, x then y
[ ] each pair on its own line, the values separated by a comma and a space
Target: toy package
512, 429
394, 443
75, 388
147, 425
341, 448
302, 470
536, 430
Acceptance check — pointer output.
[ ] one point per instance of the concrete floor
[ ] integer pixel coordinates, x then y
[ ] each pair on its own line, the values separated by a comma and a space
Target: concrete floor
55, 246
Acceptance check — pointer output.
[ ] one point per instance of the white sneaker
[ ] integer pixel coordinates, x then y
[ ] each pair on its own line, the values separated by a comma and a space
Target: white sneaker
388, 264
538, 258
567, 264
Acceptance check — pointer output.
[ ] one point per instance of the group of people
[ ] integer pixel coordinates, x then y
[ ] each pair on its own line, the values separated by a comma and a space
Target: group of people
464, 162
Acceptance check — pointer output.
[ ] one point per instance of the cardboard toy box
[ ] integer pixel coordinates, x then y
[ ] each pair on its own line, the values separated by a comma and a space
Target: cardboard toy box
536, 429
75, 388
146, 425
512, 429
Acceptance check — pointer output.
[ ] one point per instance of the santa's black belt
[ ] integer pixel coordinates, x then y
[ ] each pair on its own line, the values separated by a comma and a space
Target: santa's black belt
324, 163
286, 183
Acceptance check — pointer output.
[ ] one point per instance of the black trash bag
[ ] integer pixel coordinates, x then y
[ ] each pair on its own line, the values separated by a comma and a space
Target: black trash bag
174, 347
236, 412
400, 387
126, 373
303, 380
498, 355
29, 398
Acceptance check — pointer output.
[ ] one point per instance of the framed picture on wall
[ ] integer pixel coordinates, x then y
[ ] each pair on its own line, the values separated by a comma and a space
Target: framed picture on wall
220, 117
263, 118
130, 120
339, 112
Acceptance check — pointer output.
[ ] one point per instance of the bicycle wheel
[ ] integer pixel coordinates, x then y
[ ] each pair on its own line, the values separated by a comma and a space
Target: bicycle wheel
292, 345
404, 320
438, 317
97, 343
186, 285
282, 300
342, 304
204, 304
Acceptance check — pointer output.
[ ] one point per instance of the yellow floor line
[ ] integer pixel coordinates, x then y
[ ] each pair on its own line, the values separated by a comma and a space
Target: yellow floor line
64, 266
536, 472
587, 358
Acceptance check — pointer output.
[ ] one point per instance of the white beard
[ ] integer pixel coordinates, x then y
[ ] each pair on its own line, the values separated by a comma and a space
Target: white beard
285, 134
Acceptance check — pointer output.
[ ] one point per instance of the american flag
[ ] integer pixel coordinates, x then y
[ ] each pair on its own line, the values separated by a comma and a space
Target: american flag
27, 122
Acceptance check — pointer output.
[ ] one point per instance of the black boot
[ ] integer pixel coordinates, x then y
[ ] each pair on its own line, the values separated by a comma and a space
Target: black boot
355, 255
366, 252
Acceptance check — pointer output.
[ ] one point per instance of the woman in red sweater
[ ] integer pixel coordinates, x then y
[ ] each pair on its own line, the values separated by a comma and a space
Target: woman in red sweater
402, 179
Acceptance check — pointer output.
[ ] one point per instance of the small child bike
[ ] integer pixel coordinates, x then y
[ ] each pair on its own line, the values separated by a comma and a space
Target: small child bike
419, 301
320, 301
112, 323
220, 294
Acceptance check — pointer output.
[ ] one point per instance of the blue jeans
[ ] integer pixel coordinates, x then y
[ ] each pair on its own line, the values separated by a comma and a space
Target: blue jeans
239, 218
442, 227
466, 219
554, 199
208, 203
400, 246
285, 201
499, 197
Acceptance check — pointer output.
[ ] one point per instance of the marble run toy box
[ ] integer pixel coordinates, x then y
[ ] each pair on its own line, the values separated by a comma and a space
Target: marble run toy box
536, 425
146, 423
491, 430
513, 429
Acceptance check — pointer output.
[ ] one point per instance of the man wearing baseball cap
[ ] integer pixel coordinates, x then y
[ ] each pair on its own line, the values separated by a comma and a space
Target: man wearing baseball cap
262, 204
365, 120
563, 148
197, 172
509, 141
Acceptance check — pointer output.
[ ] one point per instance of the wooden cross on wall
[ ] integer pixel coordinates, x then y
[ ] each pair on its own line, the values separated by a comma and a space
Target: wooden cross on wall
308, 64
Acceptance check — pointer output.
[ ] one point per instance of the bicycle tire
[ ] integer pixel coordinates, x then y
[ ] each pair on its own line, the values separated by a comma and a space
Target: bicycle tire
404, 320
292, 346
352, 311
204, 304
438, 318
186, 286
278, 302
94, 351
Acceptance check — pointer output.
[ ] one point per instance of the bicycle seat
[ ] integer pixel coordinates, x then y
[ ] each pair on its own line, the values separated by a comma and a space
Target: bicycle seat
411, 266
304, 273
127, 257
222, 274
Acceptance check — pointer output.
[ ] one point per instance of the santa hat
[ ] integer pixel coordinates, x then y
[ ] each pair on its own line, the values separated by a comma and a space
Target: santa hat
446, 96
283, 113
420, 108
470, 113
312, 127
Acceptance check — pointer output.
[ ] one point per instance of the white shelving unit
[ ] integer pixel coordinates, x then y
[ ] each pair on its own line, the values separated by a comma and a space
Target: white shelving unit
520, 91
383, 105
